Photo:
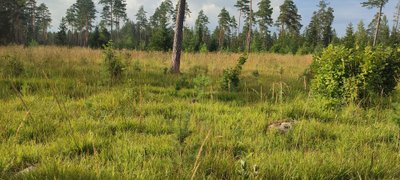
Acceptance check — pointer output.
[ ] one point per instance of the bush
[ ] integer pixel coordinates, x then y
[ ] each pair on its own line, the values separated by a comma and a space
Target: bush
13, 67
200, 84
182, 82
113, 63
352, 75
230, 77
203, 48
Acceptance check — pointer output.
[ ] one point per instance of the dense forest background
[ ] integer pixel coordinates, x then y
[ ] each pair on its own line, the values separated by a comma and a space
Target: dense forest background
27, 22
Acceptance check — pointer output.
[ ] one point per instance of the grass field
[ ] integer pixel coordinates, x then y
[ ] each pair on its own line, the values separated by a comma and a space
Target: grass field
63, 119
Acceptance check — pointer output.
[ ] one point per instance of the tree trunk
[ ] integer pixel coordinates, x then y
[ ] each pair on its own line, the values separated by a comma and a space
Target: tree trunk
87, 33
177, 48
238, 28
111, 19
397, 19
248, 39
221, 38
378, 24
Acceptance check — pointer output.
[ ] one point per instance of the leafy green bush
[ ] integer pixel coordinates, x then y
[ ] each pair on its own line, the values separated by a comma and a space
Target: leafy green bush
112, 62
230, 77
13, 67
352, 75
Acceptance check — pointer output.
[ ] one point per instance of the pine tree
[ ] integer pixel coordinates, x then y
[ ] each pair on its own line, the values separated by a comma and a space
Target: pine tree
201, 30
384, 35
113, 12
395, 35
129, 36
319, 32
265, 21
187, 12
72, 22
142, 25
30, 13
177, 47
396, 18
312, 33
244, 9
361, 36
349, 39
43, 20
376, 4
224, 22
161, 38
62, 32
289, 19
85, 13
250, 20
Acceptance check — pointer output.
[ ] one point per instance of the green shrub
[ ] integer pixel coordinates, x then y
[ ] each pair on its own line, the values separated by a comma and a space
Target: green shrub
13, 67
200, 84
182, 82
203, 48
352, 75
230, 77
113, 63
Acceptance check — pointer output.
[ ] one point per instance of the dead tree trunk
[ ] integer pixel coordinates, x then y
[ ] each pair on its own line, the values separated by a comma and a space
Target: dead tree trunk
177, 48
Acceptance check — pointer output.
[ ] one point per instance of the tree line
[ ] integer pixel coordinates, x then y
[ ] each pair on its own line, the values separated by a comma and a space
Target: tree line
26, 22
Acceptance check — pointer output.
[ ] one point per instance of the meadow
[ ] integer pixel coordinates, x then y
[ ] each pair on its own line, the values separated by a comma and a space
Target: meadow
62, 118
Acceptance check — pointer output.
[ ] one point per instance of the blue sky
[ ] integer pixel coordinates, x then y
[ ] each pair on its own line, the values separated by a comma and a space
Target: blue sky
346, 11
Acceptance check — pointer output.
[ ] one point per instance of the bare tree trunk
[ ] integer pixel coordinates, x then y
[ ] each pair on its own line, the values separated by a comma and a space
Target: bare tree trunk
397, 18
221, 38
86, 33
378, 24
111, 20
238, 28
248, 39
177, 48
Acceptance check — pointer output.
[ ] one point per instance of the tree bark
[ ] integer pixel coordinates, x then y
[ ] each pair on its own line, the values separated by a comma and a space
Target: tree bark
111, 19
248, 39
397, 18
378, 24
177, 48
87, 32
238, 28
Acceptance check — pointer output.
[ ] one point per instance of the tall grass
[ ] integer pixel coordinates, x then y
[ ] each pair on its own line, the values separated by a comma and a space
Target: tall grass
144, 128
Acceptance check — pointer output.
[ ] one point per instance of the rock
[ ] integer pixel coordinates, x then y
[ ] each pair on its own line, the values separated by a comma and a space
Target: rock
26, 170
281, 126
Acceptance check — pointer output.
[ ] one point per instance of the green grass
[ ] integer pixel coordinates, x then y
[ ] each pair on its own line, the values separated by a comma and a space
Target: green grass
143, 128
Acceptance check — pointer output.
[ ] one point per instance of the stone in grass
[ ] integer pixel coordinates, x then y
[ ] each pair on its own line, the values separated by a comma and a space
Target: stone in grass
26, 170
283, 126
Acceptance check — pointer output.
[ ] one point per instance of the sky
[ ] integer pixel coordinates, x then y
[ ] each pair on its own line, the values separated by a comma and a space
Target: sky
346, 11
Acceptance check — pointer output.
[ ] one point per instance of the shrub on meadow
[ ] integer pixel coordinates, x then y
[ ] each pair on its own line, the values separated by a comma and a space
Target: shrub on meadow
13, 67
113, 63
230, 77
352, 75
